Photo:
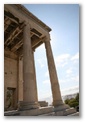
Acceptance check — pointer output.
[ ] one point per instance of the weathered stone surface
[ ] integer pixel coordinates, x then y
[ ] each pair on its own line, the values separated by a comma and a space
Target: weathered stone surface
69, 111
61, 107
27, 105
30, 99
42, 111
36, 112
10, 80
43, 103
74, 114
12, 113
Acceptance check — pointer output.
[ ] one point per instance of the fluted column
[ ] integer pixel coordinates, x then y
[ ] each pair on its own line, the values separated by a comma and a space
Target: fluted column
29, 83
57, 100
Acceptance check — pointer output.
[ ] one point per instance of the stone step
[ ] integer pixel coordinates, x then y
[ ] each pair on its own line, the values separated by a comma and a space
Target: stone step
70, 111
65, 112
48, 114
32, 112
43, 111
74, 114
12, 113
36, 112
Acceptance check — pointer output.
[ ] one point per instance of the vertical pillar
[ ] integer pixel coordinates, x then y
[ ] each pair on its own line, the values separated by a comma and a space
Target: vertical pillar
20, 79
57, 100
35, 76
29, 83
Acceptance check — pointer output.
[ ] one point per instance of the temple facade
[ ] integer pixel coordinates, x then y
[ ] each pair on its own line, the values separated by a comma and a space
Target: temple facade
23, 33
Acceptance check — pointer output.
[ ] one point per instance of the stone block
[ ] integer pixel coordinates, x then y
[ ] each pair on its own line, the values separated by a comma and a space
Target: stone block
59, 113
69, 111
43, 103
61, 107
36, 112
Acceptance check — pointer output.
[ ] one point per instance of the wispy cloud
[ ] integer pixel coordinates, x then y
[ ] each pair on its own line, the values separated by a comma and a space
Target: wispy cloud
40, 56
62, 57
62, 81
69, 79
75, 57
40, 61
47, 74
46, 82
41, 48
75, 78
62, 60
70, 90
69, 71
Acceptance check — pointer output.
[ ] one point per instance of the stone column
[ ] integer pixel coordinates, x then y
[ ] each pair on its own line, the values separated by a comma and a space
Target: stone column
35, 77
57, 100
20, 79
29, 83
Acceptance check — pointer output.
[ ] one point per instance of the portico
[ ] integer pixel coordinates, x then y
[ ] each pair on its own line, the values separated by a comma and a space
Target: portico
23, 34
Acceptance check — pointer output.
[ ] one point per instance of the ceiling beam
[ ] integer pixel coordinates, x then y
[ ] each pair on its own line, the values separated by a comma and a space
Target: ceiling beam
16, 46
6, 22
37, 41
11, 17
11, 35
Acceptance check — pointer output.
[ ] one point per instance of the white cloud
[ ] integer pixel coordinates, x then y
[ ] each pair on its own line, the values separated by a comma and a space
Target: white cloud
41, 62
46, 82
69, 71
62, 81
40, 57
41, 48
45, 96
70, 90
47, 74
69, 79
75, 57
62, 60
75, 78
62, 57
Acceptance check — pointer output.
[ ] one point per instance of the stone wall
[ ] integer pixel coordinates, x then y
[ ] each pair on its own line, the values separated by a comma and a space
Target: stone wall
10, 79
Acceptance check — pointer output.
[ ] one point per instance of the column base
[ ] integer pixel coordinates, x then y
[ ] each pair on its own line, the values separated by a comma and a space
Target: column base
57, 103
61, 107
64, 110
27, 105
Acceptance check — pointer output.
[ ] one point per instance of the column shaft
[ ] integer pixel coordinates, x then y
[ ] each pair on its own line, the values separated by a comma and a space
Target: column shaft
20, 80
57, 100
35, 77
29, 83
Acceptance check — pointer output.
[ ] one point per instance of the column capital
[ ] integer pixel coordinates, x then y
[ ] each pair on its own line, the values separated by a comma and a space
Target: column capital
26, 23
47, 37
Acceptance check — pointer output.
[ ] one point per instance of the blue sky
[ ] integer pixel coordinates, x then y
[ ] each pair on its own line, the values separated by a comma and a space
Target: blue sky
63, 19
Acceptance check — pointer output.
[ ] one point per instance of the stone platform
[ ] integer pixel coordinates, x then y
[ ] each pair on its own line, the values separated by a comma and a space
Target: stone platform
43, 111
43, 103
